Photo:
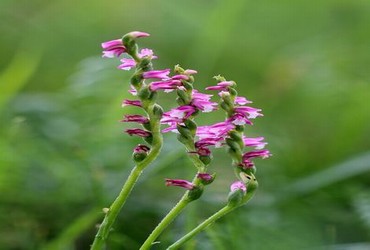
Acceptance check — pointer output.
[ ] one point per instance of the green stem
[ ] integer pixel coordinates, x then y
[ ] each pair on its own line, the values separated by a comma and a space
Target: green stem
220, 213
223, 211
117, 205
175, 211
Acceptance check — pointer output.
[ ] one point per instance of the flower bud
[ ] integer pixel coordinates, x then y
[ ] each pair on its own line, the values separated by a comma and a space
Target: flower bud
157, 111
146, 64
191, 125
206, 178
136, 80
185, 132
140, 152
237, 192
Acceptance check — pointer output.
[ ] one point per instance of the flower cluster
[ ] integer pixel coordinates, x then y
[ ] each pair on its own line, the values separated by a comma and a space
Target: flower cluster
191, 102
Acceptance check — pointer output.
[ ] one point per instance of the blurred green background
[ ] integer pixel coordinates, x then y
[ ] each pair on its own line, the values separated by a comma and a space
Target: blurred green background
63, 155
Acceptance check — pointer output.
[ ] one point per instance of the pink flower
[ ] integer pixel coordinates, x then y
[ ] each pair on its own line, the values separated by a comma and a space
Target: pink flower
156, 74
138, 132
205, 176
136, 103
215, 131
201, 101
140, 149
147, 52
240, 100
256, 153
178, 115
238, 185
127, 64
113, 48
132, 90
222, 86
254, 142
239, 119
249, 112
201, 151
205, 142
172, 127
166, 85
137, 34
135, 118
180, 183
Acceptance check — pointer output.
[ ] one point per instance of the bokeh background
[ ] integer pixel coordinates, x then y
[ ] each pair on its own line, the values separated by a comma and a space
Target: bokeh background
63, 155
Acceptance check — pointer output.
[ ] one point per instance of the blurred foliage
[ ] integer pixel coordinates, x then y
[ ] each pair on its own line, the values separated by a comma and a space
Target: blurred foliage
63, 156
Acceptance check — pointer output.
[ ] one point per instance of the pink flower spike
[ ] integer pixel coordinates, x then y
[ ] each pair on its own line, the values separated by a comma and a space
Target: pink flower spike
238, 185
113, 48
136, 103
166, 85
135, 118
138, 132
223, 86
138, 34
180, 183
254, 142
156, 74
127, 64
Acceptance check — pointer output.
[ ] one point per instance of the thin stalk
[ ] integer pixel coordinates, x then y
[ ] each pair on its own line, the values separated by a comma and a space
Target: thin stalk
177, 209
220, 213
117, 205
223, 211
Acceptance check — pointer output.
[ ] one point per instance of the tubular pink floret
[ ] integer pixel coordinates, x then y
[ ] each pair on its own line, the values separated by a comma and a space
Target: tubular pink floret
138, 132
138, 34
254, 142
113, 48
135, 118
180, 183
156, 74
238, 185
127, 102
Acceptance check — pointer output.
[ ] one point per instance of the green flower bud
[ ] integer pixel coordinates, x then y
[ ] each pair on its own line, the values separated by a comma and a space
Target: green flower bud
191, 125
136, 80
185, 132
157, 111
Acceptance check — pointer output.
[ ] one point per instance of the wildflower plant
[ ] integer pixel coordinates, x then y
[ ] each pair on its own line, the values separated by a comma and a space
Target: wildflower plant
198, 141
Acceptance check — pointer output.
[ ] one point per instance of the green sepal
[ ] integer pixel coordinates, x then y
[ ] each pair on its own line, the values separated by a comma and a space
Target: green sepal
191, 125
228, 108
188, 86
235, 198
130, 44
157, 111
183, 96
233, 144
195, 193
138, 157
145, 64
206, 159
236, 137
137, 80
185, 132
